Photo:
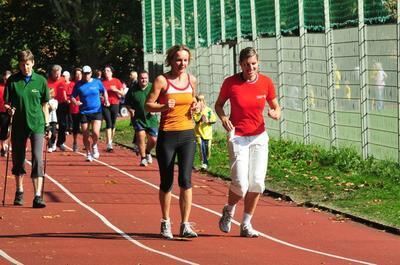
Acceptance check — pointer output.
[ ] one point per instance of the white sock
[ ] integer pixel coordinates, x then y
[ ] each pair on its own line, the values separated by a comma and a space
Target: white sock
38, 193
246, 218
231, 209
20, 189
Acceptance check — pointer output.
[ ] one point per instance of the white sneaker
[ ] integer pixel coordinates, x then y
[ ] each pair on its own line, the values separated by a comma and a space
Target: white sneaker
248, 231
96, 153
226, 220
204, 166
166, 229
149, 159
54, 147
89, 157
143, 162
187, 231
109, 148
49, 150
62, 147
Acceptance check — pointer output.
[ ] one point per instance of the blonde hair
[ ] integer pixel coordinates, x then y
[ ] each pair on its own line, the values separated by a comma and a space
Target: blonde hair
172, 52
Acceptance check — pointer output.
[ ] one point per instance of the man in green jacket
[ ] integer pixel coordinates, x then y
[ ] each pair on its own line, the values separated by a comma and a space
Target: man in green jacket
26, 97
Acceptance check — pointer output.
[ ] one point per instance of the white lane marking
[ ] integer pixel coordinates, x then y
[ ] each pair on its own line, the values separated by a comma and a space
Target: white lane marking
113, 227
236, 222
9, 259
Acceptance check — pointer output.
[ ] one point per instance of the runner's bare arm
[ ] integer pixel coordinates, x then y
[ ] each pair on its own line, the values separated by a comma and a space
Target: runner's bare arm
160, 83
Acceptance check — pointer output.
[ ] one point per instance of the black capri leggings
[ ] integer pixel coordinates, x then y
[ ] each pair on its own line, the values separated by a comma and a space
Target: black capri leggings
110, 115
170, 145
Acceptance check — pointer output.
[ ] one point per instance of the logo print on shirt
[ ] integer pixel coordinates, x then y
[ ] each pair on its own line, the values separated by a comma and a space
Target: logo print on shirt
261, 96
35, 90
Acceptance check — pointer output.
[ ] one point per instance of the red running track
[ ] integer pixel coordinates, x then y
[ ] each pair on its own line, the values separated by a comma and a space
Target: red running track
107, 212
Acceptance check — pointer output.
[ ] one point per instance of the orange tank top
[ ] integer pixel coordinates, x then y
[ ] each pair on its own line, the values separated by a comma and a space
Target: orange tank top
179, 118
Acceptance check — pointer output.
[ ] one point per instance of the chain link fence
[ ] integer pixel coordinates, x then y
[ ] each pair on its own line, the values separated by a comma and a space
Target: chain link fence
335, 64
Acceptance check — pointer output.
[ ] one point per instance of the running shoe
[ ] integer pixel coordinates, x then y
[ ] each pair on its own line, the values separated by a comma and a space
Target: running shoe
143, 162
54, 147
2, 152
226, 220
96, 153
204, 166
149, 159
166, 229
248, 231
19, 198
38, 202
187, 231
89, 157
109, 148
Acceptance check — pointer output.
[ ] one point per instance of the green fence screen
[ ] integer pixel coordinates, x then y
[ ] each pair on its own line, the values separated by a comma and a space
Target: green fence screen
245, 18
189, 23
230, 20
289, 15
215, 18
343, 13
202, 23
314, 18
178, 21
379, 11
158, 25
148, 20
168, 24
265, 17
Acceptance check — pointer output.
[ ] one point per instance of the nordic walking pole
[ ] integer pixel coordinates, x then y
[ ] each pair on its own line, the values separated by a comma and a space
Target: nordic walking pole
8, 158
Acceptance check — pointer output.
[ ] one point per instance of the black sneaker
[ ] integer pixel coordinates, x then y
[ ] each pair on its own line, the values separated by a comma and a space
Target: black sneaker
38, 202
3, 152
19, 198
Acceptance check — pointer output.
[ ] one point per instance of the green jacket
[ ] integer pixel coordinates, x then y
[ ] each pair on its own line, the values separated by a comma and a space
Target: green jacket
27, 99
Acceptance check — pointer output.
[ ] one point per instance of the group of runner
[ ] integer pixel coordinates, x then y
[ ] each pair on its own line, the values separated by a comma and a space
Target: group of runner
173, 95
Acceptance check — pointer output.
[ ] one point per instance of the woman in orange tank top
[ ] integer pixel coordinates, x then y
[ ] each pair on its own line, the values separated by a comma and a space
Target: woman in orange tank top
173, 94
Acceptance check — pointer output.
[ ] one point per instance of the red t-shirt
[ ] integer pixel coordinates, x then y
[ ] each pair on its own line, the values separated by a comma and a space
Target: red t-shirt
58, 86
2, 87
113, 97
247, 100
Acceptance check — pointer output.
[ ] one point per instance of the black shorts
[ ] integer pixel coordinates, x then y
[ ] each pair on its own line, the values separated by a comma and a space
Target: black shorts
86, 118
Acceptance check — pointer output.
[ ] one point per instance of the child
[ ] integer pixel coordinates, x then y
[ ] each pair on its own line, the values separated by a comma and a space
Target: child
53, 104
204, 118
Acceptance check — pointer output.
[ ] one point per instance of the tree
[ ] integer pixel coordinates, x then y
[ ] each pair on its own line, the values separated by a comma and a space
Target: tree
30, 24
103, 32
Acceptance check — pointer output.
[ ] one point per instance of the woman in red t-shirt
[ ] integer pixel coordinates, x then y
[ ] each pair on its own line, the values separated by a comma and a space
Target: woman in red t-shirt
115, 92
247, 91
4, 116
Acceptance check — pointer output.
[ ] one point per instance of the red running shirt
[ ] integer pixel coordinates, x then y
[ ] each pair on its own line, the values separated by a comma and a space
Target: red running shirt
247, 100
113, 97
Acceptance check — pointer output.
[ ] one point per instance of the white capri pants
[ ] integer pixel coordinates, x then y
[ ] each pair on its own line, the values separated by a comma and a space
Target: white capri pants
248, 157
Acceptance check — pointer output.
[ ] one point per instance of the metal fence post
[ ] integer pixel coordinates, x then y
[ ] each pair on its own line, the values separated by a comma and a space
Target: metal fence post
304, 80
398, 78
330, 79
278, 36
363, 79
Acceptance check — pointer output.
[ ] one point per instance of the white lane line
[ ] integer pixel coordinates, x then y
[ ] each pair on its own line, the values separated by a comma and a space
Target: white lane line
113, 227
237, 223
9, 259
